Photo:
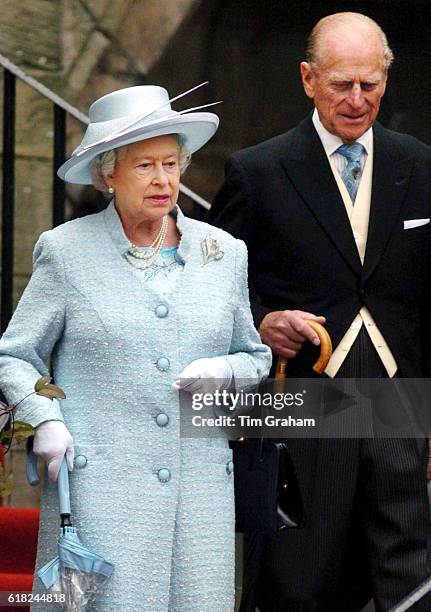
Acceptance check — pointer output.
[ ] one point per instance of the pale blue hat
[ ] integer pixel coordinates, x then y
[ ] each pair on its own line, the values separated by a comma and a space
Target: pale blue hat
132, 114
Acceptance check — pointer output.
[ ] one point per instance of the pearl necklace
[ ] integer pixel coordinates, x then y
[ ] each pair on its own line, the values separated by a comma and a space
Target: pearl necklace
133, 253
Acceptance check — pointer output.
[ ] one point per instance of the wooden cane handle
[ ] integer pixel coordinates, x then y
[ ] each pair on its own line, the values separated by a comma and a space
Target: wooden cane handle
325, 347
324, 357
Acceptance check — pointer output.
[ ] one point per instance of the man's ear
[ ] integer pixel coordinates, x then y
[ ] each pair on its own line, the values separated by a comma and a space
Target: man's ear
385, 80
308, 79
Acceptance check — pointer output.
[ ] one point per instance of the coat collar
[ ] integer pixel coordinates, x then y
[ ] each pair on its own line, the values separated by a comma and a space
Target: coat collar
122, 243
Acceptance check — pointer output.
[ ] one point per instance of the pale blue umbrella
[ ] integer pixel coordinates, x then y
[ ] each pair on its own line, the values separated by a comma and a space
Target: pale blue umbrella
77, 571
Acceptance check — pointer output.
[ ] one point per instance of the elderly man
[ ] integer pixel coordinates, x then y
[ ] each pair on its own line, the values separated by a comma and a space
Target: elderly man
336, 215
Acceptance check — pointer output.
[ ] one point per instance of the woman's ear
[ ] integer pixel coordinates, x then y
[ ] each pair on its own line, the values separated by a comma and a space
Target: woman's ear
109, 180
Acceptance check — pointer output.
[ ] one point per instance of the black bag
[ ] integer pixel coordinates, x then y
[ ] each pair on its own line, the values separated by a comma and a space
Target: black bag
267, 493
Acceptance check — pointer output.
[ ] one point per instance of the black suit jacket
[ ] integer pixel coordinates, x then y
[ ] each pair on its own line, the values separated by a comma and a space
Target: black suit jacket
281, 198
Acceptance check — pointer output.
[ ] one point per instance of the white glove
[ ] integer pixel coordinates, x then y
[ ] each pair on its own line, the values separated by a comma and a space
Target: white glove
51, 442
205, 376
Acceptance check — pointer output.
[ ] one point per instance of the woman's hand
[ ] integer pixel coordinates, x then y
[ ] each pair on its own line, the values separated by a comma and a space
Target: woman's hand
51, 442
205, 376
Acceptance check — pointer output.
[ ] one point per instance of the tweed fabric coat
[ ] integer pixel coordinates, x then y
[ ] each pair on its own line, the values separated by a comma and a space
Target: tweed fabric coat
117, 346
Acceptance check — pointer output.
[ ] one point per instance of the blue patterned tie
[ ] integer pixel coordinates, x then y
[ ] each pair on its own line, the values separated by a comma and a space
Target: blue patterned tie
352, 172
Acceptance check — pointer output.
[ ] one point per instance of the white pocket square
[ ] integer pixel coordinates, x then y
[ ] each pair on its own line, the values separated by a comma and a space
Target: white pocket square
411, 223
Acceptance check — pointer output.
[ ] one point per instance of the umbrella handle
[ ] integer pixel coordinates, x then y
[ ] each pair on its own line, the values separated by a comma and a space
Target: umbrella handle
63, 488
322, 361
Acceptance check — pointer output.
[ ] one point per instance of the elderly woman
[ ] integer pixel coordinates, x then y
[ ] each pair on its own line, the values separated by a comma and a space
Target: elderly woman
131, 304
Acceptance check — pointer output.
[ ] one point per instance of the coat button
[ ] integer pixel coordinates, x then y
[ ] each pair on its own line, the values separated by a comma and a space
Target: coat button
163, 364
80, 461
162, 419
164, 475
229, 467
161, 311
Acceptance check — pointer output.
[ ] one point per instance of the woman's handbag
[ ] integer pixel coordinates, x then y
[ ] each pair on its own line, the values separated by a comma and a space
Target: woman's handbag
267, 493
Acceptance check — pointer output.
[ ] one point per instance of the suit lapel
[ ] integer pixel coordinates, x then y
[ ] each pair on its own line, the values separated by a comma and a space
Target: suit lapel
308, 169
391, 174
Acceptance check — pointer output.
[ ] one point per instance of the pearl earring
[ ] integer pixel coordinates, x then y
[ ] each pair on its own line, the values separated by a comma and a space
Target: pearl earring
110, 190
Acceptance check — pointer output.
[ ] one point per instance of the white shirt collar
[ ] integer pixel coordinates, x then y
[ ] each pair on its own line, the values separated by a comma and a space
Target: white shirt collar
331, 142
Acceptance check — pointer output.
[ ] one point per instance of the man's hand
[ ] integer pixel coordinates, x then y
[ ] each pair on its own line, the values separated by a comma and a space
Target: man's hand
285, 331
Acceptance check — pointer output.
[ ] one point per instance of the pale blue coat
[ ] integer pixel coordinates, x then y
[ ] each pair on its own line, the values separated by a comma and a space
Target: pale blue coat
117, 346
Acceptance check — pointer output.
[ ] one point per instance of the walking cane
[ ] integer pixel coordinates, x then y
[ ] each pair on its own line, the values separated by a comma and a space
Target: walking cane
322, 361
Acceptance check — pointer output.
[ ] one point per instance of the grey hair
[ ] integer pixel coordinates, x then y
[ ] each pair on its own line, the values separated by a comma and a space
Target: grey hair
315, 38
104, 164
